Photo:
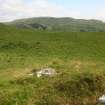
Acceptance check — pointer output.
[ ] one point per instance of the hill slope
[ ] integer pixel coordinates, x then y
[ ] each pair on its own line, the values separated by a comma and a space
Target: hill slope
61, 24
78, 58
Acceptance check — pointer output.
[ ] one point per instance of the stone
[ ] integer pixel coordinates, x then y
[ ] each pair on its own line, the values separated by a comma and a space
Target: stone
102, 99
50, 72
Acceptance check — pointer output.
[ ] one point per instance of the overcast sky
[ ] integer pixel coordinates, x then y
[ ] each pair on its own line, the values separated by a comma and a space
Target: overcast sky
86, 9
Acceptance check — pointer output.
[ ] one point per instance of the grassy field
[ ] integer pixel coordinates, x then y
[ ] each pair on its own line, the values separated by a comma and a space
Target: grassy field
78, 58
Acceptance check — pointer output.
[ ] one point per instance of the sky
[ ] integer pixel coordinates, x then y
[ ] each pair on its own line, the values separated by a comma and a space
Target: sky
80, 9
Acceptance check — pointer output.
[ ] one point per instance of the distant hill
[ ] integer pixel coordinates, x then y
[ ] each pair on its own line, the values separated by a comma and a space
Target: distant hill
2, 25
60, 24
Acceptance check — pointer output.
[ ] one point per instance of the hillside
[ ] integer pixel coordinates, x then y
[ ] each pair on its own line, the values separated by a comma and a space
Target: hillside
78, 58
60, 24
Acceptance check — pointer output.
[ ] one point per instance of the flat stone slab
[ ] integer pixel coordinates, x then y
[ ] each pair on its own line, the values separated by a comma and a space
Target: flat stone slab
50, 72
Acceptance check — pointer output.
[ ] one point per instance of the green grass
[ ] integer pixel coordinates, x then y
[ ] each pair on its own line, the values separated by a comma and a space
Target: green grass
79, 59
